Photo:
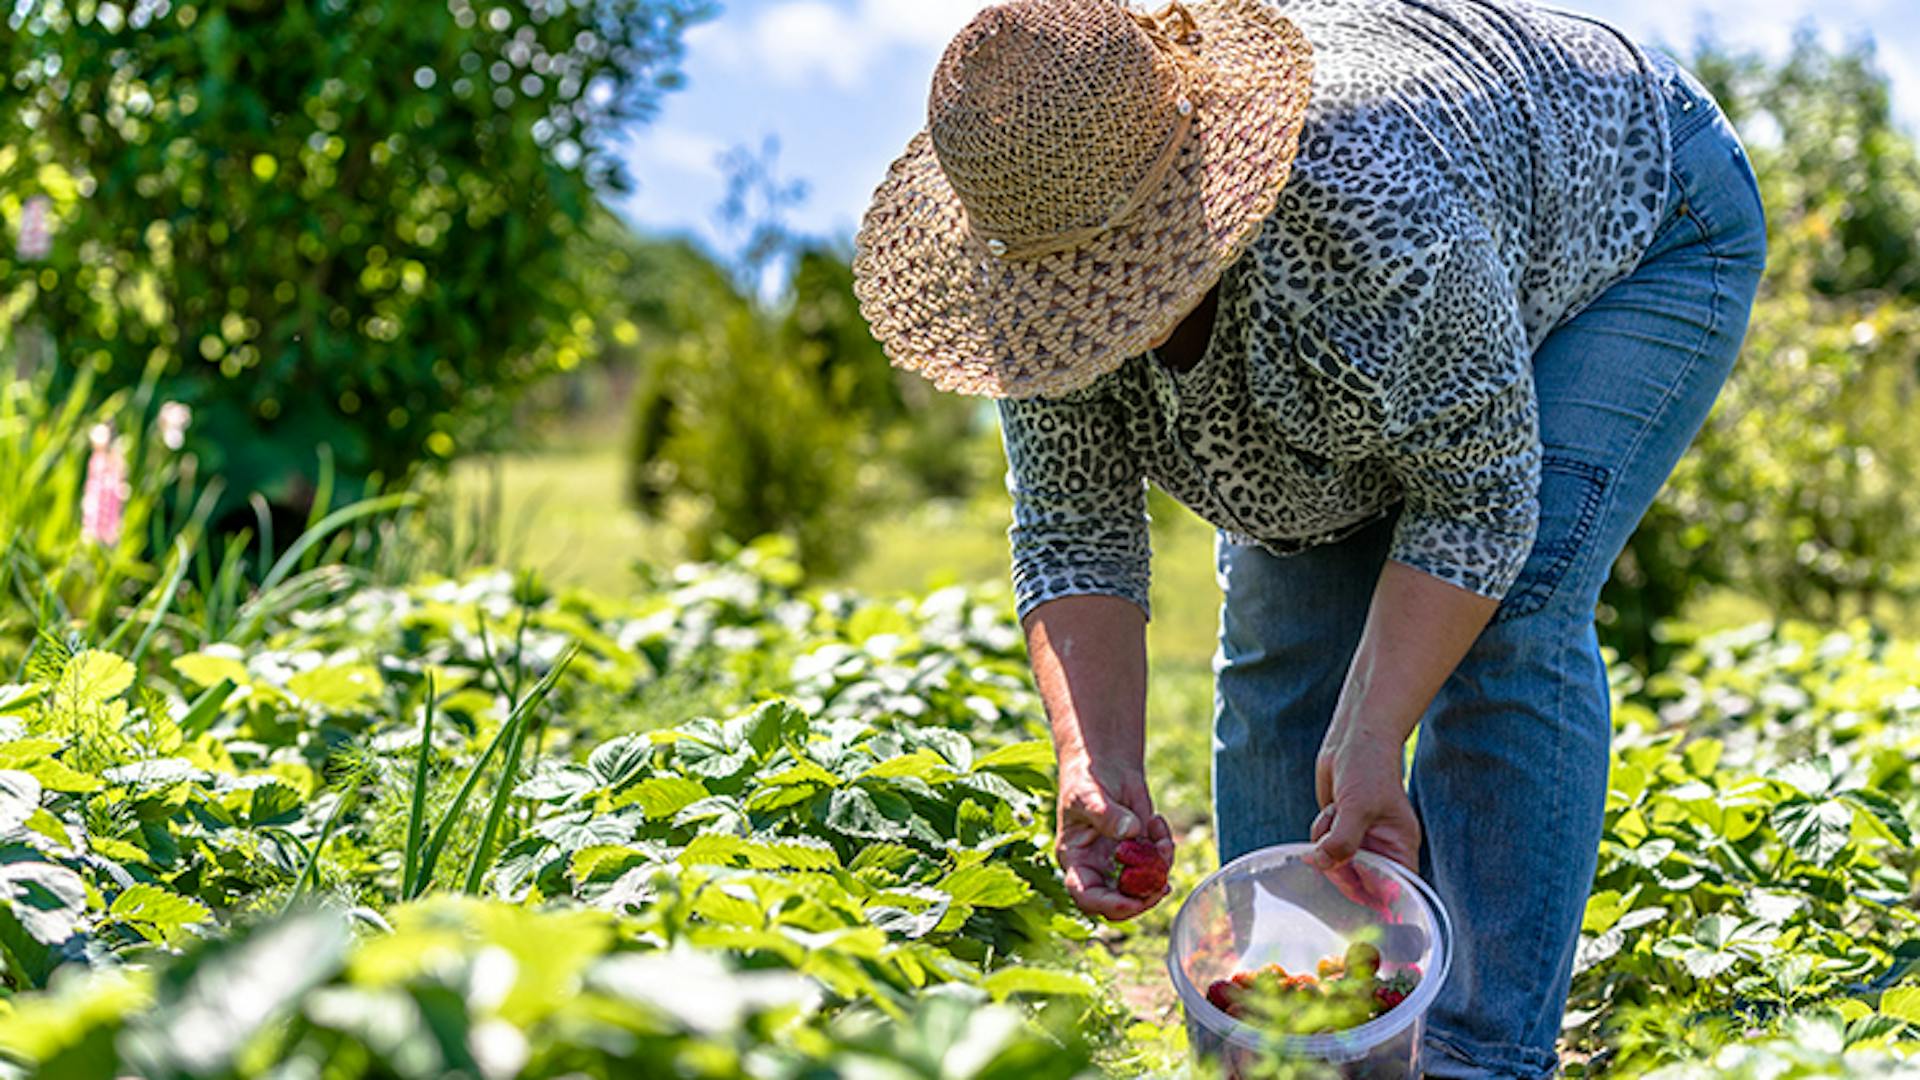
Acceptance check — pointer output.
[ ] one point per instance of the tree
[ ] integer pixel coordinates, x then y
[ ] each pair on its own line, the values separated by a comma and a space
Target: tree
352, 223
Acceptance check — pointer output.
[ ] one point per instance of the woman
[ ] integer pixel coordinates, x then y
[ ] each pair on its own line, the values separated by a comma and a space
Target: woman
1418, 302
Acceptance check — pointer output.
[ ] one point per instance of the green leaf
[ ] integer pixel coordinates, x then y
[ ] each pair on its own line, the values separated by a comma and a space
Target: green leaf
770, 725
155, 906
1604, 908
339, 688
19, 798
555, 781
1902, 1003
54, 775
804, 771
1007, 982
209, 669
661, 797
619, 760
1817, 831
206, 708
47, 899
274, 803
986, 885
1883, 810
858, 813
590, 861
1703, 755
923, 765
93, 677
1034, 754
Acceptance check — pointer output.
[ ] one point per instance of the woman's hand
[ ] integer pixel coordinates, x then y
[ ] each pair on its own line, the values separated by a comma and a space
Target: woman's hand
1097, 812
1363, 803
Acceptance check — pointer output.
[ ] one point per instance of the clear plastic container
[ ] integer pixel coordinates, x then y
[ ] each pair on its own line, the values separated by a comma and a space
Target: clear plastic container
1271, 906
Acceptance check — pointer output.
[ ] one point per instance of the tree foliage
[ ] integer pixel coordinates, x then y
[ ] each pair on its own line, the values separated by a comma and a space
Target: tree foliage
1801, 488
350, 223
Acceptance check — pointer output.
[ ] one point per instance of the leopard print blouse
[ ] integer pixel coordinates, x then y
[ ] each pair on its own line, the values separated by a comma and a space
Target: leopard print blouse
1471, 174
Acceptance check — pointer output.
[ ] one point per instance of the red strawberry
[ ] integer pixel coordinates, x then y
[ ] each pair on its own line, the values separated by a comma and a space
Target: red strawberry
1388, 997
1137, 853
1223, 995
1144, 882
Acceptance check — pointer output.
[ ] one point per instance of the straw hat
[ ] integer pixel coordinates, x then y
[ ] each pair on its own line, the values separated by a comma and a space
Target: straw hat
1086, 174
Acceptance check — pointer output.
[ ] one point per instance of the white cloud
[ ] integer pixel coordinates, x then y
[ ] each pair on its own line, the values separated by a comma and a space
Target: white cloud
802, 42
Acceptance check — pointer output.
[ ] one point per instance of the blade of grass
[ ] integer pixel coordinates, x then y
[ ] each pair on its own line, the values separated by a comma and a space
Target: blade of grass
206, 708
503, 794
486, 653
441, 832
417, 813
182, 558
339, 519
263, 516
308, 872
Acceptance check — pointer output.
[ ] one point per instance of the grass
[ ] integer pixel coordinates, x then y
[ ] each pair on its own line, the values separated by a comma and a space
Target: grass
564, 512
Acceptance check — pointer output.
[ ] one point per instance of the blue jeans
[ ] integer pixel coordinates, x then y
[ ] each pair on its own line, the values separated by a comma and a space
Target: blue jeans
1510, 770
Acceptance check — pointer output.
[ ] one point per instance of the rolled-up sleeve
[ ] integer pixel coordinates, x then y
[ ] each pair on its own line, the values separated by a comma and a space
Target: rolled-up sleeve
1472, 482
1079, 501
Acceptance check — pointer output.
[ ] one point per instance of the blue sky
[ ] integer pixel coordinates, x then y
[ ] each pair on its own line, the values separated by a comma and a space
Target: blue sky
842, 84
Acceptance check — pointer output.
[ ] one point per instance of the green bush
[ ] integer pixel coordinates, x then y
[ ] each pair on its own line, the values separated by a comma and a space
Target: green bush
1801, 488
350, 224
786, 419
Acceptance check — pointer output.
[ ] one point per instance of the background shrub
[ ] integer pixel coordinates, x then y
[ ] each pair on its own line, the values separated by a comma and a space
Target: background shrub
341, 223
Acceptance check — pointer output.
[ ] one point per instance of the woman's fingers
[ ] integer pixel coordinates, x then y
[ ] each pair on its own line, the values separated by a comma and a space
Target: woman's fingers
1321, 824
1340, 838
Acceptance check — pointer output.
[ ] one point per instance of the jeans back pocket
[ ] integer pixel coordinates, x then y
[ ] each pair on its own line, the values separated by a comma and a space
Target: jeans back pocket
1571, 494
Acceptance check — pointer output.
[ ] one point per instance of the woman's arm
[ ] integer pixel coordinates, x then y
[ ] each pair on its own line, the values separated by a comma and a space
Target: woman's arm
1418, 630
1089, 657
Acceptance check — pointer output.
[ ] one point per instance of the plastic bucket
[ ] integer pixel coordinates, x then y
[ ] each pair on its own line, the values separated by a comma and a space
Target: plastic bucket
1271, 906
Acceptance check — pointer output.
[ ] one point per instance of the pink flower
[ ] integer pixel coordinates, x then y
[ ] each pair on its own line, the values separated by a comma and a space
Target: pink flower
36, 236
106, 492
175, 419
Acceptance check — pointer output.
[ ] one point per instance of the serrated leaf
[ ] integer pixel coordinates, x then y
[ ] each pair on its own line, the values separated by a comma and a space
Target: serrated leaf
273, 803
157, 907
1007, 982
775, 853
802, 772
891, 858
1033, 754
46, 899
1884, 810
858, 813
554, 781
771, 724
986, 885
1817, 831
54, 775
720, 813
573, 832
19, 798
620, 760
590, 861
661, 797
923, 765
94, 677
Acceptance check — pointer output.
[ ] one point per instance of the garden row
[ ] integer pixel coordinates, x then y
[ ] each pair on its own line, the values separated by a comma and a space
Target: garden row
265, 816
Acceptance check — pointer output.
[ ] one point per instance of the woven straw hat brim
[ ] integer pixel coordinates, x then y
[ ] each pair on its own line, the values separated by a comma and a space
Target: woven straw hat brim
942, 305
